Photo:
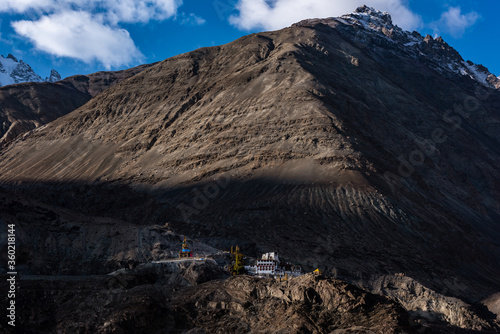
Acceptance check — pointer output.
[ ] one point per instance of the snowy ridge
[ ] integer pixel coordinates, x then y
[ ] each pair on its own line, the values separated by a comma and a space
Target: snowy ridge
448, 59
13, 71
372, 19
373, 27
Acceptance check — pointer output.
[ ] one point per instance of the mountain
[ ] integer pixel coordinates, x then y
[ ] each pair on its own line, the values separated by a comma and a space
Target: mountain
343, 143
26, 106
436, 53
13, 71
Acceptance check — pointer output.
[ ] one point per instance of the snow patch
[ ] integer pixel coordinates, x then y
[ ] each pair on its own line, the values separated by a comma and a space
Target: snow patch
477, 75
411, 44
443, 58
7, 66
13, 71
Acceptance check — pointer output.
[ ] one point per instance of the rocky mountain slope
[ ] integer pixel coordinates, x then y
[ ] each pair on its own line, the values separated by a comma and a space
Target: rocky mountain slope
344, 143
199, 298
26, 106
436, 53
63, 263
176, 298
69, 243
13, 71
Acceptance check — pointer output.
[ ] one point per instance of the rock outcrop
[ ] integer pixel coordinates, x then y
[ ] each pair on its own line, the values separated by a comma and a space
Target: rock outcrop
427, 306
164, 299
492, 303
54, 76
307, 304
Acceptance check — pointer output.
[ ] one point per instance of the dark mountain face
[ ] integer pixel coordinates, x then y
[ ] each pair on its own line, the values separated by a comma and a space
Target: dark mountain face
26, 106
345, 143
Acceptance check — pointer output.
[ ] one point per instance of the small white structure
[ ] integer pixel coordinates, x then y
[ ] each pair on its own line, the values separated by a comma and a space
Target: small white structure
270, 256
269, 265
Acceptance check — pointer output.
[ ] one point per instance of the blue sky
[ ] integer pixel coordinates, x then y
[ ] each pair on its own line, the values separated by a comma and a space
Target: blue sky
85, 36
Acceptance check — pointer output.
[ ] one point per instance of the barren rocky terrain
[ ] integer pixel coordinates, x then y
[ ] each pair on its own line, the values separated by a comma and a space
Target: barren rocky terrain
200, 298
173, 299
339, 146
26, 106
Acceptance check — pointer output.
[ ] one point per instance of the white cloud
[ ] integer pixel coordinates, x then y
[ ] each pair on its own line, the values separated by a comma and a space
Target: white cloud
454, 22
78, 35
21, 6
88, 30
132, 11
276, 14
191, 19
113, 11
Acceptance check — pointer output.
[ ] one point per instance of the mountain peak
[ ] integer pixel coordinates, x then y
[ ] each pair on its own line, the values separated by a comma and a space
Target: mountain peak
371, 18
10, 56
54, 76
14, 71
372, 14
368, 27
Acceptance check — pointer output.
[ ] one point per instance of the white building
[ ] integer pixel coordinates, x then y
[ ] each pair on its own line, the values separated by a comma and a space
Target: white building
269, 265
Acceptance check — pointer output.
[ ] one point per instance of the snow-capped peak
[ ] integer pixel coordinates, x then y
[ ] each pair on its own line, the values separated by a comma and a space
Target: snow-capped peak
13, 71
375, 28
370, 18
54, 76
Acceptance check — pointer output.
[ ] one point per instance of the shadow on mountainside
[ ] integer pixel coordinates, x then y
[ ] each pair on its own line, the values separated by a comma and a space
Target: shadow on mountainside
344, 231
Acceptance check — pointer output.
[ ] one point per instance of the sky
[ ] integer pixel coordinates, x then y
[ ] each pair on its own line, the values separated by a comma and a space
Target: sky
86, 36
